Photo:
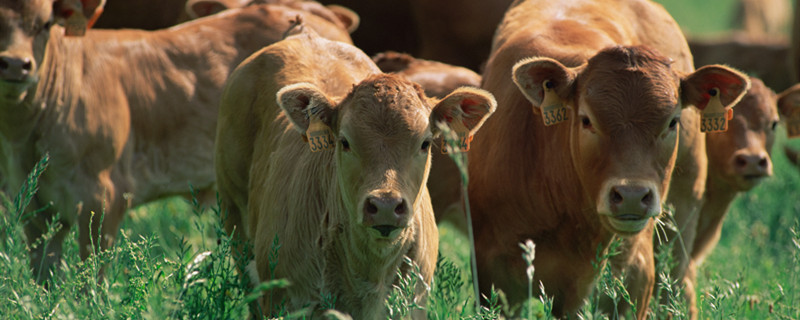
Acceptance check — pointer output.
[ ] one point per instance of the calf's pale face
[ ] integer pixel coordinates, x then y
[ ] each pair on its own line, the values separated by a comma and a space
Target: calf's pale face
625, 106
24, 31
740, 156
382, 134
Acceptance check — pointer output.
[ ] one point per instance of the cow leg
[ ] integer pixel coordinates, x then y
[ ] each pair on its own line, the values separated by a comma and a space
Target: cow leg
45, 254
100, 216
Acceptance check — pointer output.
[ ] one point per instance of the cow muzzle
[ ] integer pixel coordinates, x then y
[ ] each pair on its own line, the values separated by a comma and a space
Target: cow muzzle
751, 168
628, 205
385, 214
16, 76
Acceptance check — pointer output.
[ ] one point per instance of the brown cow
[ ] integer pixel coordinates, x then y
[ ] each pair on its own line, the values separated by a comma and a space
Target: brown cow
345, 216
737, 160
572, 187
127, 116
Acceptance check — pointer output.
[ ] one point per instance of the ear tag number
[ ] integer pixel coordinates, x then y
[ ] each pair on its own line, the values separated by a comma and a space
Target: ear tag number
553, 109
76, 24
319, 135
793, 123
715, 117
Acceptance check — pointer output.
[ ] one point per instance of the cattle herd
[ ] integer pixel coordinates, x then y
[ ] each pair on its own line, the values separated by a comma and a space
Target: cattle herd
588, 118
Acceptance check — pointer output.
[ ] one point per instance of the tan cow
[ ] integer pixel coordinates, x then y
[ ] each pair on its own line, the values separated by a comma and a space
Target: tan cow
346, 215
127, 116
619, 75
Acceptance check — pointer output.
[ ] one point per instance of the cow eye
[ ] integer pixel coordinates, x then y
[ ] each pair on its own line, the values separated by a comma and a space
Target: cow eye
774, 125
345, 144
587, 124
425, 146
674, 123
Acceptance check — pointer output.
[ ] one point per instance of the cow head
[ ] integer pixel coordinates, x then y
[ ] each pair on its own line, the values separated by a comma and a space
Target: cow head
382, 136
740, 156
625, 108
24, 31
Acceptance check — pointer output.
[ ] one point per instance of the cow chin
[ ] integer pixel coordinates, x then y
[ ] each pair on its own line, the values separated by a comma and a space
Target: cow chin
14, 92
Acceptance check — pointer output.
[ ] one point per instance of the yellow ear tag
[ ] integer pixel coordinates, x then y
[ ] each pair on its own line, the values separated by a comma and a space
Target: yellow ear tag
553, 109
319, 135
793, 123
715, 117
462, 136
76, 24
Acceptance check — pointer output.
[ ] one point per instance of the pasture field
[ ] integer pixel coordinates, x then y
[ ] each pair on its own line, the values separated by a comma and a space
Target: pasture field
172, 260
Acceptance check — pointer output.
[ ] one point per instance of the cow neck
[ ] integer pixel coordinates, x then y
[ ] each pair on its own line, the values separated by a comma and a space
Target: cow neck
718, 197
362, 268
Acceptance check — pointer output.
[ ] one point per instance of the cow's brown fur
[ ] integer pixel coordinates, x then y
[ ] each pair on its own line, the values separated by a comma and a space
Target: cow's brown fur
550, 184
126, 116
738, 160
316, 204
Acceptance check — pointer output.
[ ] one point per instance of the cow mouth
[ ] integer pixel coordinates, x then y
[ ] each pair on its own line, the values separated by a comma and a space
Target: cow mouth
12, 90
385, 230
628, 223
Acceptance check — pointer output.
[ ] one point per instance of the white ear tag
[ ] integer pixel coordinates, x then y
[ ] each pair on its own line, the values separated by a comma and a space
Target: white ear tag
319, 135
715, 117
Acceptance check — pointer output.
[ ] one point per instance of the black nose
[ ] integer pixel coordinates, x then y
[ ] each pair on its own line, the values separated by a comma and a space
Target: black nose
630, 198
14, 68
375, 205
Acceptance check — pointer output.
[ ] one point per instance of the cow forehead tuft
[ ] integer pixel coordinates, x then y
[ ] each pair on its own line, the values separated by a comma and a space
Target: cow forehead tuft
389, 103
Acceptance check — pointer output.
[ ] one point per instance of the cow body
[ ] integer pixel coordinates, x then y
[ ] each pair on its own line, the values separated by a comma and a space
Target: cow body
567, 186
127, 117
343, 218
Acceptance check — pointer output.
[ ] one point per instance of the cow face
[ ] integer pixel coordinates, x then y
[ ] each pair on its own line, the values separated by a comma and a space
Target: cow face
24, 31
740, 156
624, 106
382, 136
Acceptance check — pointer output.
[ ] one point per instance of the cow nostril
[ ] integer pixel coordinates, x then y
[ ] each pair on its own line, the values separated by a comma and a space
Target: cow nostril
27, 65
615, 196
740, 161
401, 208
647, 200
370, 207
762, 162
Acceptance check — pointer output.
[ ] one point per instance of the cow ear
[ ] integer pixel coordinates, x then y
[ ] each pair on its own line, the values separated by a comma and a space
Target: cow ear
534, 75
304, 103
203, 8
464, 110
348, 17
77, 15
789, 102
698, 87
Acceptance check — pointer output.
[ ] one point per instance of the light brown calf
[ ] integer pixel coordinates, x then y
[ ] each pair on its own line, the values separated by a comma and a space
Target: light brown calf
623, 73
127, 116
345, 216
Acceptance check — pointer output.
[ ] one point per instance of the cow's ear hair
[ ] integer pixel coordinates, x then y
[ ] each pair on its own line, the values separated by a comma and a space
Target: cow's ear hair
464, 110
531, 74
697, 87
789, 101
77, 15
347, 17
203, 8
301, 101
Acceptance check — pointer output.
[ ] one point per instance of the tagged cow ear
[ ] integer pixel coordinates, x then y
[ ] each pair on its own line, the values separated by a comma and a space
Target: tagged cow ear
464, 110
789, 102
301, 101
698, 87
531, 74
77, 15
347, 17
